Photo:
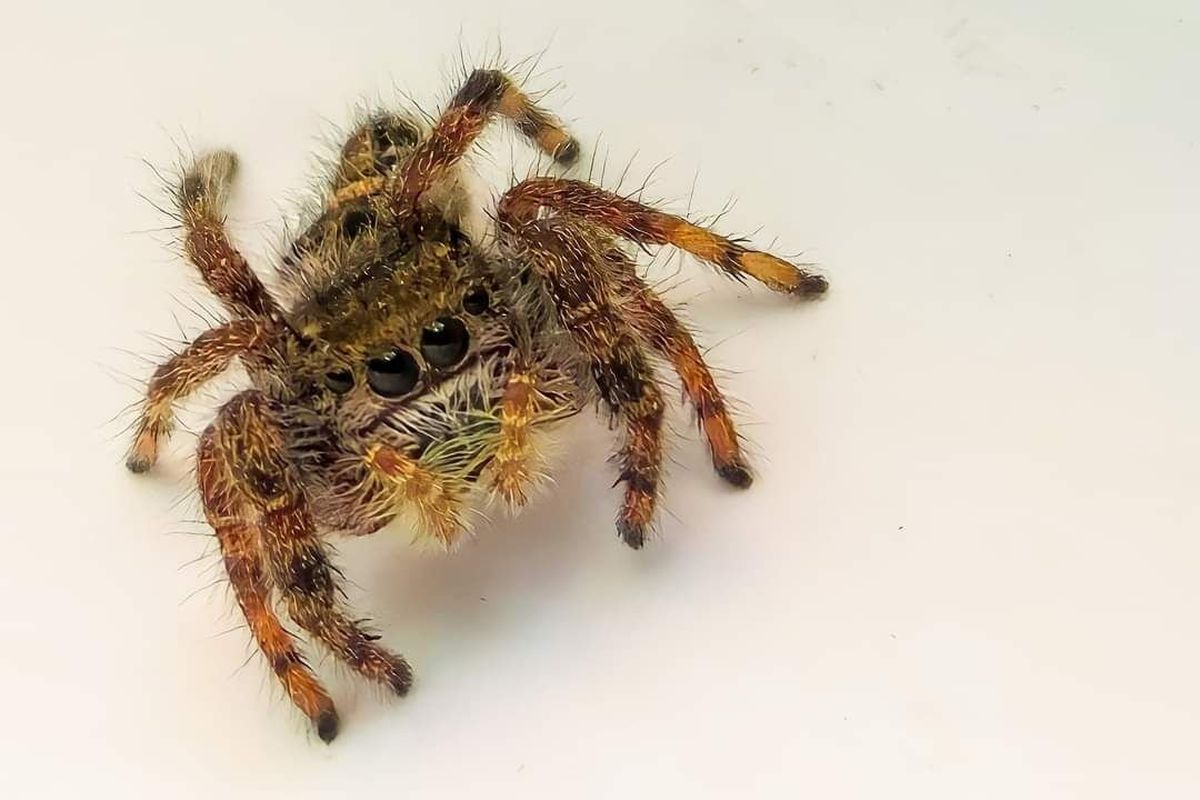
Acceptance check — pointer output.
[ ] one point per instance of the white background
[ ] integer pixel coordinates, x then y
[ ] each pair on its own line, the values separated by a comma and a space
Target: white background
968, 568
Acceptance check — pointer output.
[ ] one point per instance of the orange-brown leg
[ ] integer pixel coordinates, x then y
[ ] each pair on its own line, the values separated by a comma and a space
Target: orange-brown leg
241, 552
569, 264
202, 198
648, 226
484, 94
203, 360
664, 332
249, 445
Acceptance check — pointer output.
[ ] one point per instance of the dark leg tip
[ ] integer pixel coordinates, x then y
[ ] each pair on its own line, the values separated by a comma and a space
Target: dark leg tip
567, 153
401, 678
327, 725
633, 535
811, 286
138, 463
735, 475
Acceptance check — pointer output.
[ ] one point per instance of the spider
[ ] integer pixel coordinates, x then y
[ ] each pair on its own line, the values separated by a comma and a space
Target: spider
414, 368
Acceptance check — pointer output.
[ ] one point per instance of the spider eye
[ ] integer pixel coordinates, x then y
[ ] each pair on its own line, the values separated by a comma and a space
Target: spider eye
339, 381
393, 375
444, 342
475, 301
355, 221
379, 130
459, 241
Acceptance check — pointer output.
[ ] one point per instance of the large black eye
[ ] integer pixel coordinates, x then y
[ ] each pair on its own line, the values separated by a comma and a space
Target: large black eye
476, 300
444, 342
393, 375
339, 381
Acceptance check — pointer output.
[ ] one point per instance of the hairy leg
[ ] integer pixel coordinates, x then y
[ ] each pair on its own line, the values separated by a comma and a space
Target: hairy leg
203, 360
240, 549
569, 263
202, 197
484, 94
248, 435
663, 331
648, 226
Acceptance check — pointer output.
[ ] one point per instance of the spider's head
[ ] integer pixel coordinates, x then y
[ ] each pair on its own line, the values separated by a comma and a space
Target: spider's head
411, 340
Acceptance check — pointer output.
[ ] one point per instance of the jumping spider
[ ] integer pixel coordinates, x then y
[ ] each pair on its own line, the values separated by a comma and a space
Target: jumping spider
414, 366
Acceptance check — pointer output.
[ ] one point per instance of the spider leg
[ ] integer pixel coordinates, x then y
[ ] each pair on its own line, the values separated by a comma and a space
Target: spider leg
247, 570
203, 360
663, 331
249, 439
202, 197
569, 263
648, 226
484, 94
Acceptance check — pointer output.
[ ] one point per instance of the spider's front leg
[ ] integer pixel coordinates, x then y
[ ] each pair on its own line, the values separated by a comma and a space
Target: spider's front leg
254, 501
569, 262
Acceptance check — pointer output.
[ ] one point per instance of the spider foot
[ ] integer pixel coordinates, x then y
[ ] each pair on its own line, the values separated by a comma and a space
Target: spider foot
735, 474
143, 454
632, 533
810, 285
327, 725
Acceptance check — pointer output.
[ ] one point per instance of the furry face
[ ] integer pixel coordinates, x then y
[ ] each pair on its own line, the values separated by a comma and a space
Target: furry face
407, 367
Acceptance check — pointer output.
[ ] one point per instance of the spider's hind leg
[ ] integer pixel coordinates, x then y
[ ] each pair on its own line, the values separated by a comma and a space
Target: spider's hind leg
485, 94
202, 196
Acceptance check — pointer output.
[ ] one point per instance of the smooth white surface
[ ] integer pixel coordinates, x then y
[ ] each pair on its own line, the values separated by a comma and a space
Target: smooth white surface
968, 568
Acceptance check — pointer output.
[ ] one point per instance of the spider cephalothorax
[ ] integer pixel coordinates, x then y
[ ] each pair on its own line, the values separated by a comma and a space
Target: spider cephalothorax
411, 369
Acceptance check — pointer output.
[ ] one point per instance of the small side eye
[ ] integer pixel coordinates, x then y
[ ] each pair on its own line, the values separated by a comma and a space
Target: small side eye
393, 375
444, 342
355, 221
476, 301
459, 241
339, 381
379, 132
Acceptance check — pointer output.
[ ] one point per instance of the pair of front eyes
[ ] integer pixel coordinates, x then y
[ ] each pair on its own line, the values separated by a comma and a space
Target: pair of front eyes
444, 344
